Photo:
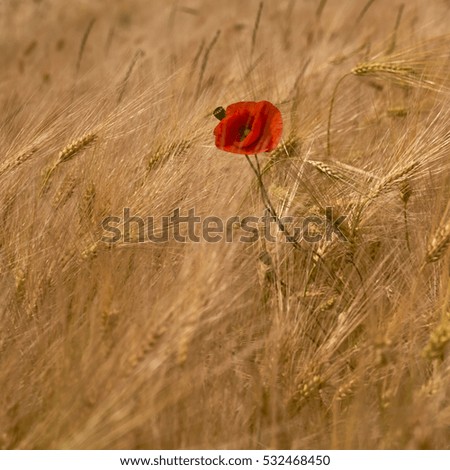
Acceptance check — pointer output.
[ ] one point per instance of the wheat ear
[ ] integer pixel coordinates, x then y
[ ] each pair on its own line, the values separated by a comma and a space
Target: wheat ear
70, 150
386, 184
328, 170
66, 154
286, 150
22, 158
163, 152
373, 68
439, 243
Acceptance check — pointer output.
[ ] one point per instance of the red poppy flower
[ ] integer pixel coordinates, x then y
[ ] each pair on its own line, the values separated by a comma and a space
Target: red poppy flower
249, 127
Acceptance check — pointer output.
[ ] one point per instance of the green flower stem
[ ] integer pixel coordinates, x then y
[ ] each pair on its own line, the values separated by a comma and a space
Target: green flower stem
270, 208
268, 203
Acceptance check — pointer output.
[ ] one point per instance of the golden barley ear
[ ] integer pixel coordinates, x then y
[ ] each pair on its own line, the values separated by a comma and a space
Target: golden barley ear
70, 150
65, 191
333, 173
387, 184
20, 159
398, 111
308, 387
86, 205
392, 180
346, 390
146, 348
439, 340
163, 152
47, 175
374, 68
439, 243
287, 149
66, 154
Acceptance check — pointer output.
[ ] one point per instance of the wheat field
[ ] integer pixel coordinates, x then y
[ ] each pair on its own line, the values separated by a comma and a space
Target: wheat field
139, 345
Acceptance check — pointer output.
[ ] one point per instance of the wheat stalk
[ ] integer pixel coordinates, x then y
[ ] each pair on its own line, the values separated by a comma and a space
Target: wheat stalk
205, 62
397, 24
84, 39
364, 11
405, 193
320, 8
330, 111
197, 56
123, 85
255, 27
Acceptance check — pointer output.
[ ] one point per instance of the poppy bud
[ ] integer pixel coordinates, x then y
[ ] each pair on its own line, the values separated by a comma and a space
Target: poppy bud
219, 113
